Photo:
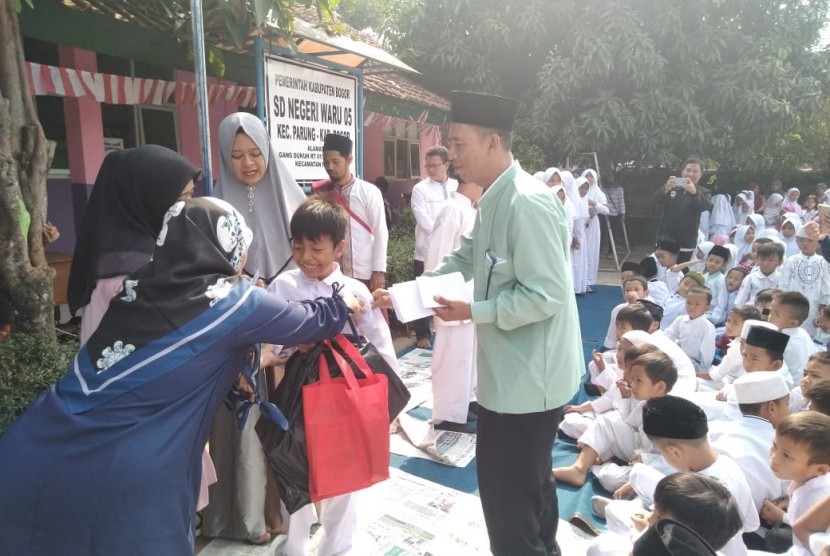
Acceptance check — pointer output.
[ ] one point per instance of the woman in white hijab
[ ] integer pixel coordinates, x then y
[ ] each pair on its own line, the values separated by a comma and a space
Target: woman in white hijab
257, 183
597, 204
773, 208
722, 220
578, 256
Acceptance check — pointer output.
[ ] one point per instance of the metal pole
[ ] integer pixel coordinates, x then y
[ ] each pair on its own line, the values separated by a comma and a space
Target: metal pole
201, 90
359, 126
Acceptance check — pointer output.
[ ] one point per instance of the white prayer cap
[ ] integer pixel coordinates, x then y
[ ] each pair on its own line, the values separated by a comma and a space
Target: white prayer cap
760, 387
750, 323
802, 231
636, 337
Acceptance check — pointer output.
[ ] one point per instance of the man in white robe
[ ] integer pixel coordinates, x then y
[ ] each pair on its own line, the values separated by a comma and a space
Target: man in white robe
429, 197
367, 235
454, 352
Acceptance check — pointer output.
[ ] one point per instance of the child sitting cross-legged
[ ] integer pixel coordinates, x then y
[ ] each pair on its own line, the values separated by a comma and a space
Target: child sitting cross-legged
800, 454
601, 369
619, 434
318, 231
693, 331
677, 429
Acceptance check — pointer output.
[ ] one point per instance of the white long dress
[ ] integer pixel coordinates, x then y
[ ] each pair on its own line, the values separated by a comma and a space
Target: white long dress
579, 260
597, 200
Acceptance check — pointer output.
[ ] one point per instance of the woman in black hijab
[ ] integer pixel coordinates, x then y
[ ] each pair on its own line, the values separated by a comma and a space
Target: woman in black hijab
133, 190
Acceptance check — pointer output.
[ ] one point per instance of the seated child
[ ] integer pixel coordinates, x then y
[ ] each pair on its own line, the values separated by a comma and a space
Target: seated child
657, 289
819, 397
699, 502
762, 398
577, 418
788, 311
744, 236
693, 332
619, 434
800, 454
675, 305
666, 254
763, 301
627, 270
677, 429
816, 372
764, 275
318, 232
734, 278
601, 368
731, 366
716, 282
809, 274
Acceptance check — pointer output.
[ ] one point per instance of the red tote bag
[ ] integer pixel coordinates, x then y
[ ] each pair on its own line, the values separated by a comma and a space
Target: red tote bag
347, 428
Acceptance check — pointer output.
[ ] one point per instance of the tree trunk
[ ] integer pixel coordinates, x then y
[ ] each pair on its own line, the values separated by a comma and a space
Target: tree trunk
25, 157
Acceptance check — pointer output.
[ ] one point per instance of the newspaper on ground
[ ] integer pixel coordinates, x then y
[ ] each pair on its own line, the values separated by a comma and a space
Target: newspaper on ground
417, 438
414, 367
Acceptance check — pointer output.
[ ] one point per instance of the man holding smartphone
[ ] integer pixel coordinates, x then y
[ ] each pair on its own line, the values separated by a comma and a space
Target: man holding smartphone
682, 201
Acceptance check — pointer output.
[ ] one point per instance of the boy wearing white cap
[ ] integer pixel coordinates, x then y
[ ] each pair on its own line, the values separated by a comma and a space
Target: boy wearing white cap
809, 274
762, 398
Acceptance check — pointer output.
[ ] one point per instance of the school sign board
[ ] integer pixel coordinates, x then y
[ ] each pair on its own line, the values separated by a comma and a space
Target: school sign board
302, 105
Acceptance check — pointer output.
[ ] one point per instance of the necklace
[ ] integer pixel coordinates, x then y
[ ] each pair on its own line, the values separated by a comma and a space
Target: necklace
250, 198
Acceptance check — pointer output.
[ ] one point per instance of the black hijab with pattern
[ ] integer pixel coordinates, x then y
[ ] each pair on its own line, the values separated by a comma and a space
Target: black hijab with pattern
133, 190
197, 260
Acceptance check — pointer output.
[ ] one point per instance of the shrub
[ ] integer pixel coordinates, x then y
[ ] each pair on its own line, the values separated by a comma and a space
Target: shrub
399, 256
29, 365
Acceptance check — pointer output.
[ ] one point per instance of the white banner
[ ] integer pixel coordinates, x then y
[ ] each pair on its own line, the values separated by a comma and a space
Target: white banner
303, 105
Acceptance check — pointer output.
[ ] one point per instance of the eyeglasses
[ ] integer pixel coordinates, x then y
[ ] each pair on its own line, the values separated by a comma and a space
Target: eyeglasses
433, 166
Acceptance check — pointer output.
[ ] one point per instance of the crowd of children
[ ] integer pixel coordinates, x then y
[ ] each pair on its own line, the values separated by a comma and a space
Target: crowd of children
748, 322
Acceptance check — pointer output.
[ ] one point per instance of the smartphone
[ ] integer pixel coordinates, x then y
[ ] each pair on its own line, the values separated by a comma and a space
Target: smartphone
824, 218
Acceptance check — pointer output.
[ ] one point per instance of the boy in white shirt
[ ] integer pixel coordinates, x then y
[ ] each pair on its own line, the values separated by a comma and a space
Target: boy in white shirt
693, 331
765, 274
619, 434
318, 231
716, 282
627, 271
788, 311
454, 352
809, 274
816, 372
666, 254
800, 454
675, 305
731, 366
677, 429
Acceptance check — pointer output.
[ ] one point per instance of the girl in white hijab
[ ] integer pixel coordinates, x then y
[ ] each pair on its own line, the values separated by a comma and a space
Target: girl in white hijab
722, 220
789, 227
570, 211
773, 208
258, 184
743, 207
744, 236
597, 204
578, 257
790, 203
757, 222
733, 257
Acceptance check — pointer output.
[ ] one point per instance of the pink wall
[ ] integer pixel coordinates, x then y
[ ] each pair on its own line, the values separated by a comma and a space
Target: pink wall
190, 139
372, 152
84, 127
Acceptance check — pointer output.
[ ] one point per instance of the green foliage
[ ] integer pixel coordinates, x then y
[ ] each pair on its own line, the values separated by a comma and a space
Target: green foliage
644, 82
401, 247
29, 365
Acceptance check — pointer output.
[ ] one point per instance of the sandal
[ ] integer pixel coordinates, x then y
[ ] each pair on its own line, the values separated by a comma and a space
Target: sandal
265, 538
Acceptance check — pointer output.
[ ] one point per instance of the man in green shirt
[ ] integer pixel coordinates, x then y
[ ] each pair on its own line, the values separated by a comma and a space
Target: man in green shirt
529, 346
